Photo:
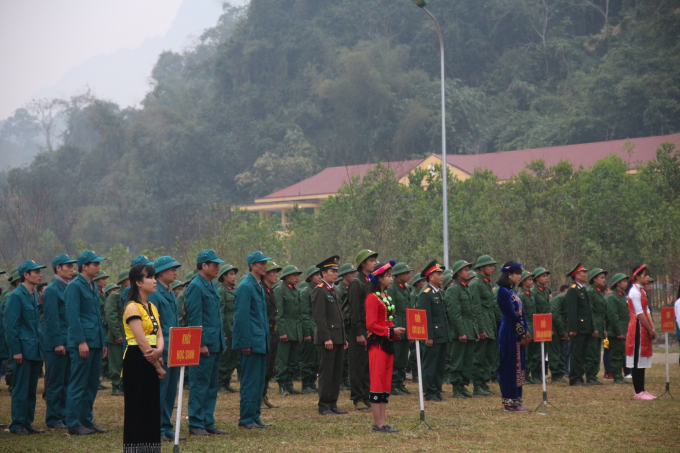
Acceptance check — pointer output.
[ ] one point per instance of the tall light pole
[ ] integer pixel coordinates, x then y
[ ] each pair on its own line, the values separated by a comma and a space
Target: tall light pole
421, 4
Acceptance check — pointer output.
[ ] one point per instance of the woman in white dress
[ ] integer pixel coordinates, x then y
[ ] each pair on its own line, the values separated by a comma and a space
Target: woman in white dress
641, 332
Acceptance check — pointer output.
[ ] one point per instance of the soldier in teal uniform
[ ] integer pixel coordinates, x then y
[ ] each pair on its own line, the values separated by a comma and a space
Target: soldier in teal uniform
618, 317
290, 319
598, 309
13, 282
309, 361
579, 324
560, 337
55, 330
139, 259
102, 280
541, 292
463, 330
533, 349
166, 304
401, 299
417, 283
486, 348
86, 343
431, 299
203, 309
345, 277
268, 281
24, 337
4, 349
226, 286
115, 337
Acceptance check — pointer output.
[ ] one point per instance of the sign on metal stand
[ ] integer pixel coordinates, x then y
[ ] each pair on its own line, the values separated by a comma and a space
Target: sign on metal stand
667, 325
184, 350
543, 333
416, 329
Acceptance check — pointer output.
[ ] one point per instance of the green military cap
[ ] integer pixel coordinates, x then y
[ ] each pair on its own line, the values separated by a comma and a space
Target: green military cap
311, 270
416, 278
124, 275
617, 278
303, 285
242, 277
226, 268
595, 272
473, 274
447, 280
190, 276
62, 259
164, 263
448, 272
141, 259
89, 256
346, 269
272, 266
651, 280
364, 255
28, 266
574, 270
109, 287
100, 275
539, 271
525, 275
176, 284
458, 265
288, 270
13, 274
484, 260
400, 268
208, 256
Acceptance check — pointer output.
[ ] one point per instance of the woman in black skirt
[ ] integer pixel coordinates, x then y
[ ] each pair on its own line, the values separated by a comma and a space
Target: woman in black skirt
142, 365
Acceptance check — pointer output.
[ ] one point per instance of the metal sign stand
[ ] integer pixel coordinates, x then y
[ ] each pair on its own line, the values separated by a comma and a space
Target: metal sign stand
545, 401
179, 409
668, 376
420, 389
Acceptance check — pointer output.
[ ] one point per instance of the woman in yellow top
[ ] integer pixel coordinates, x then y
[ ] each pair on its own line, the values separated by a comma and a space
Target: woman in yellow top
142, 365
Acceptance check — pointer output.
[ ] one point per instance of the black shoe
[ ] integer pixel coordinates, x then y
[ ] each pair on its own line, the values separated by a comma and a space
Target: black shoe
326, 412
57, 426
102, 387
80, 431
335, 410
165, 438
432, 398
21, 431
98, 430
576, 384
215, 430
263, 424
199, 432
375, 428
389, 429
594, 382
249, 425
32, 430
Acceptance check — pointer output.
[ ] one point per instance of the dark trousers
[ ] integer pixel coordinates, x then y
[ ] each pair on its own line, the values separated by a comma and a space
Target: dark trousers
400, 363
286, 361
309, 364
271, 360
567, 355
556, 356
203, 391
617, 355
330, 375
434, 364
168, 389
606, 360
253, 370
115, 355
228, 364
82, 388
593, 358
462, 355
534, 358
484, 361
359, 376
57, 376
23, 394
578, 356
413, 360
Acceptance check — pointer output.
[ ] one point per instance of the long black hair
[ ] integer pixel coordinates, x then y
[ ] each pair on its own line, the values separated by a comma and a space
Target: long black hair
634, 271
137, 274
504, 280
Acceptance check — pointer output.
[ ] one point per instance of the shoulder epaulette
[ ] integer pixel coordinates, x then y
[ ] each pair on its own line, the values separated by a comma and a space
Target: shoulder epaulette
574, 285
320, 285
427, 290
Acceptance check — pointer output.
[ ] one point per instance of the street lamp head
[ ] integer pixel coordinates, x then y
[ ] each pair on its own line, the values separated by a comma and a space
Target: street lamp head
420, 3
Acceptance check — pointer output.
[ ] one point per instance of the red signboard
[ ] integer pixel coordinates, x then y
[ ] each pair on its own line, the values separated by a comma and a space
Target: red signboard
543, 327
185, 345
667, 319
416, 324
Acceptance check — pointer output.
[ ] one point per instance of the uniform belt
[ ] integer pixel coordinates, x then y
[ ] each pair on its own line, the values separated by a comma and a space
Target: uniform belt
150, 338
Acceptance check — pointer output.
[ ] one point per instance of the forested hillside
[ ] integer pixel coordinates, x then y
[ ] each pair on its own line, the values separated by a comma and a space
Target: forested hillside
279, 90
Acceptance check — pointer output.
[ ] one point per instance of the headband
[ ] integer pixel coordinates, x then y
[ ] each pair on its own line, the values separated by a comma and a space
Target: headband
373, 276
637, 271
511, 268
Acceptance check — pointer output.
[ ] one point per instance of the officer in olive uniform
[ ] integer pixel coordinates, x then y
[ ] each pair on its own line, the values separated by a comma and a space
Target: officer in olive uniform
598, 310
289, 323
55, 330
417, 283
541, 292
533, 349
486, 348
618, 317
431, 299
329, 336
24, 337
560, 336
115, 337
401, 299
309, 362
345, 276
579, 323
463, 330
226, 288
268, 282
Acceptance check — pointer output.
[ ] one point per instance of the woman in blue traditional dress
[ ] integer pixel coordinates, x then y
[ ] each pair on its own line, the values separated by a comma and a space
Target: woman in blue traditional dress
512, 338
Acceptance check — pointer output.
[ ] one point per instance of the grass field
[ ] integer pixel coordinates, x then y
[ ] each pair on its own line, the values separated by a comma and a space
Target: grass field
602, 418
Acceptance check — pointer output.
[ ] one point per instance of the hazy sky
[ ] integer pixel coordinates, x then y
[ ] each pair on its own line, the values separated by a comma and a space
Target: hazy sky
40, 40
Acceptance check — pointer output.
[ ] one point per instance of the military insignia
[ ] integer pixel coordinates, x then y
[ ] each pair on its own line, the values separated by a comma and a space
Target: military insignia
320, 285
574, 285
427, 290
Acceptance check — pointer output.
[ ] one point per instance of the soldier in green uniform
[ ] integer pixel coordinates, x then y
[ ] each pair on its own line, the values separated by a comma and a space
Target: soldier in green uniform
359, 377
102, 280
431, 299
115, 336
579, 323
401, 299
329, 336
463, 330
541, 292
309, 362
618, 317
13, 282
346, 275
533, 349
598, 309
177, 287
290, 319
268, 282
181, 300
417, 283
226, 288
560, 336
486, 348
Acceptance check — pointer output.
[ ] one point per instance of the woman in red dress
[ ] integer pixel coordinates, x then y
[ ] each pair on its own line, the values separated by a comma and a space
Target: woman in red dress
381, 333
641, 332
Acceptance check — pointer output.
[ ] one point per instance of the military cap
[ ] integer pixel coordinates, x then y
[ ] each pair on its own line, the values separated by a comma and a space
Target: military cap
62, 259
100, 275
124, 275
364, 255
574, 270
447, 280
27, 266
13, 275
539, 271
448, 272
109, 287
141, 259
431, 268
272, 266
401, 268
416, 278
484, 260
595, 272
617, 278
311, 270
226, 268
651, 280
302, 286
190, 276
458, 265
89, 257
346, 269
208, 256
256, 257
328, 263
473, 274
288, 270
525, 275
242, 277
164, 263
177, 284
